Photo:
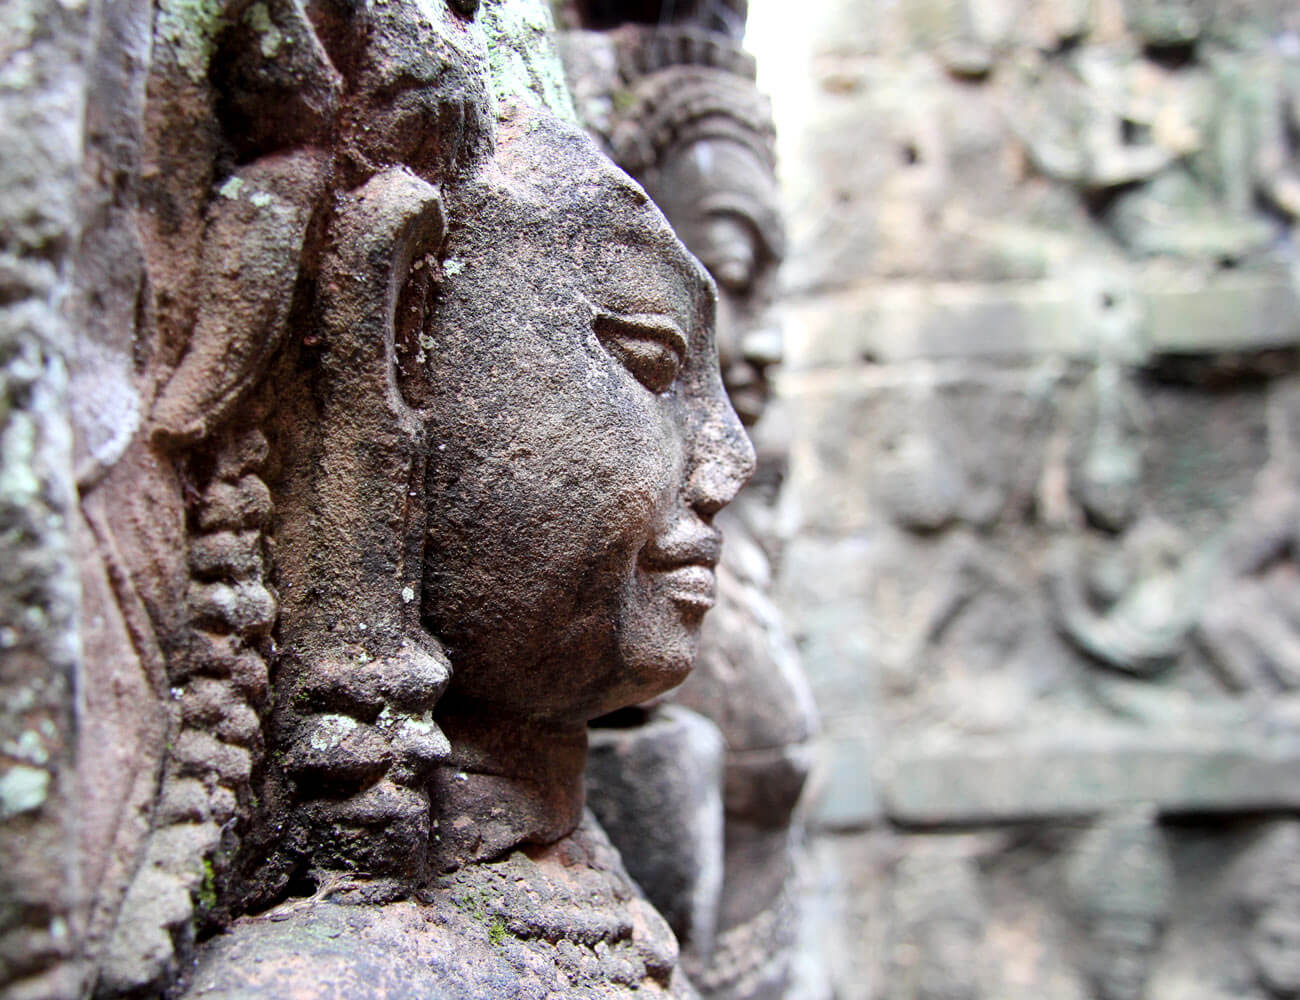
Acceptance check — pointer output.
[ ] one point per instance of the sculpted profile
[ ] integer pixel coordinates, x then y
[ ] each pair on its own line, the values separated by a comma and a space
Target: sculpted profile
577, 445
700, 795
441, 438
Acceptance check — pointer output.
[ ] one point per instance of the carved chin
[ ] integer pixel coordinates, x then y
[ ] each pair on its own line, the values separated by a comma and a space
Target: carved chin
660, 633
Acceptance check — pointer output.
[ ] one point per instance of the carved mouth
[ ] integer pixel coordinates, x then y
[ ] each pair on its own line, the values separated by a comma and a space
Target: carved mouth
684, 561
694, 586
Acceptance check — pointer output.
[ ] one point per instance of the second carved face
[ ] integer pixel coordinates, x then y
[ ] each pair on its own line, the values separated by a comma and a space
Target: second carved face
721, 198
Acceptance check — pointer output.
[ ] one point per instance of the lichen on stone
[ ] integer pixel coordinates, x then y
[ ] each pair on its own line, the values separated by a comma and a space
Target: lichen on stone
23, 789
190, 28
522, 61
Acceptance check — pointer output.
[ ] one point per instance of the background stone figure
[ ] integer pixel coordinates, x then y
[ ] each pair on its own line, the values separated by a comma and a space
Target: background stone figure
1120, 882
679, 110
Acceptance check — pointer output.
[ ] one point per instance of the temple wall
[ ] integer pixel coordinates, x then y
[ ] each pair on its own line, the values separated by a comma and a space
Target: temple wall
1041, 508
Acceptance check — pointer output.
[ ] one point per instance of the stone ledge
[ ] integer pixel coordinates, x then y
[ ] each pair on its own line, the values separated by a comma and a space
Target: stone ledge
977, 782
901, 321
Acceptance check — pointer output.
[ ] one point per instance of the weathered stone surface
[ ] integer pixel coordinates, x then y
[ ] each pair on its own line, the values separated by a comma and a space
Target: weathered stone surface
1206, 888
904, 321
42, 85
398, 435
560, 920
1021, 779
677, 857
938, 919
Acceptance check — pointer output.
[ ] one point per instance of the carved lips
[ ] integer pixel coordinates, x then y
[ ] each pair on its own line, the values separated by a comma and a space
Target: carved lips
683, 561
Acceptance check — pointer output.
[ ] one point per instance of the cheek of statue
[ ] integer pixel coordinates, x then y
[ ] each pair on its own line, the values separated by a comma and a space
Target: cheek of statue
549, 484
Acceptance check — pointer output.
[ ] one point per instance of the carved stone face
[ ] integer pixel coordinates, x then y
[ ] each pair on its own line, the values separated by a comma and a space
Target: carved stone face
580, 437
722, 200
1168, 22
1274, 948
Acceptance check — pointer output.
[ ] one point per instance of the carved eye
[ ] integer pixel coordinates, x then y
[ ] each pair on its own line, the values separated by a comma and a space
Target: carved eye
730, 250
650, 346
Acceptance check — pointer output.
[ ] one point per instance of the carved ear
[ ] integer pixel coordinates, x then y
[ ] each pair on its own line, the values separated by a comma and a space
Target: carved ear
359, 673
368, 485
251, 255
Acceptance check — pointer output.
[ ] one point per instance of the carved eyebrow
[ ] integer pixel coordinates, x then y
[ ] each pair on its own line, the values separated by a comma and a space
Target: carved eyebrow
652, 326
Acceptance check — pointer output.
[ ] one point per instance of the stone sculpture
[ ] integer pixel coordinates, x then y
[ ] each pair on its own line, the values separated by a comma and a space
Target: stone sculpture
1120, 881
597, 548
1123, 593
679, 110
400, 438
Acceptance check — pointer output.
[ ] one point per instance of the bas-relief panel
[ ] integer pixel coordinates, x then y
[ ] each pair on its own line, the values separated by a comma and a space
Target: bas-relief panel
1040, 394
1070, 485
1026, 576
1013, 139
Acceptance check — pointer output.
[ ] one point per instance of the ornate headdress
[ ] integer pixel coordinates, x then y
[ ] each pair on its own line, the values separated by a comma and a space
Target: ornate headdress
682, 86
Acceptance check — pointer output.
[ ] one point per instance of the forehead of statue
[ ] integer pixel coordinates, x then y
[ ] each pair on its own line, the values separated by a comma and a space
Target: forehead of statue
561, 199
722, 177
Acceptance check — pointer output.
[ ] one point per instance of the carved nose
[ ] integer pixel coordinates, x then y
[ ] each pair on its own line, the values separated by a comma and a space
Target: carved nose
725, 460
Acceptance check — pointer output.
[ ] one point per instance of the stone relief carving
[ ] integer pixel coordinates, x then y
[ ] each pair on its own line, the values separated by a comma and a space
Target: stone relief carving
597, 549
679, 110
1040, 376
1271, 907
1120, 882
400, 439
1175, 137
